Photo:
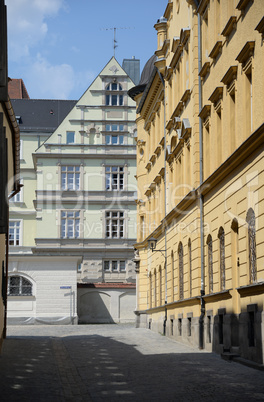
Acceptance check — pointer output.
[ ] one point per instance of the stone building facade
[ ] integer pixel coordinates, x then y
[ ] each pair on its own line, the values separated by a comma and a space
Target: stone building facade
75, 224
200, 202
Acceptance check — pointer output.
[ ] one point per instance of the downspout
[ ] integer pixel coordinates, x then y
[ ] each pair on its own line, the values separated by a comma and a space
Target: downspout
165, 208
201, 319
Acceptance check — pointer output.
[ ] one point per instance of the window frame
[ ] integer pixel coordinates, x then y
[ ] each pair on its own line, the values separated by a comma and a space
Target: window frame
18, 198
113, 97
76, 178
118, 266
68, 142
19, 221
110, 178
20, 286
111, 228
76, 223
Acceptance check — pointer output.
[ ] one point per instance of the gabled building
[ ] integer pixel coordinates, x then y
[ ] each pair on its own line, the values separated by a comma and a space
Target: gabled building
77, 220
200, 152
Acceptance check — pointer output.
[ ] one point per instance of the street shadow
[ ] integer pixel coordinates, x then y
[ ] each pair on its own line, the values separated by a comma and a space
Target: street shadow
239, 335
97, 368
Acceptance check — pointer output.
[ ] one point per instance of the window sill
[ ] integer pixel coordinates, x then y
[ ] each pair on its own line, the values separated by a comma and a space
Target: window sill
251, 290
19, 297
223, 295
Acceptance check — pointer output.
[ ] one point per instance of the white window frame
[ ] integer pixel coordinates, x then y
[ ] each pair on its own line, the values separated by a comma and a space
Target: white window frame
111, 265
21, 150
114, 224
66, 217
68, 171
20, 286
19, 196
19, 232
114, 178
114, 92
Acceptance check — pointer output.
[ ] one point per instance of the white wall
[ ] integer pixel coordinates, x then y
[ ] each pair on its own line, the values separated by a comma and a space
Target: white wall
54, 297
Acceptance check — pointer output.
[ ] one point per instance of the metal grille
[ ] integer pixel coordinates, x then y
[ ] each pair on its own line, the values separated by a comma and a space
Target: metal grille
222, 257
252, 248
210, 264
19, 286
181, 289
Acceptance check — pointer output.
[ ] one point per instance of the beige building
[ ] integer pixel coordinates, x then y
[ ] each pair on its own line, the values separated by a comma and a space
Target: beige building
9, 167
200, 121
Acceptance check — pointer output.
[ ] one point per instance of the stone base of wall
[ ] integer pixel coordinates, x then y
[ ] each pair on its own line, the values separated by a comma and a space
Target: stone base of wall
42, 321
241, 335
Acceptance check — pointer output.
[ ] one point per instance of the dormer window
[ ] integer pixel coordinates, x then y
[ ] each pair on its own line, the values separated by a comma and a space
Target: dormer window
114, 87
114, 99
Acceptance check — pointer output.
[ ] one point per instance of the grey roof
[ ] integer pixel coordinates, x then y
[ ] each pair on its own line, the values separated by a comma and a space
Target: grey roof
41, 115
145, 77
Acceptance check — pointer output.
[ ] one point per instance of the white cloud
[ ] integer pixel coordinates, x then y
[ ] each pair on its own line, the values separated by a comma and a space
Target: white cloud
50, 81
27, 24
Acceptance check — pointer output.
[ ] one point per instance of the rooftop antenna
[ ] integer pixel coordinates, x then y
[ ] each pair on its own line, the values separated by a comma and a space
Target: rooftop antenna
114, 29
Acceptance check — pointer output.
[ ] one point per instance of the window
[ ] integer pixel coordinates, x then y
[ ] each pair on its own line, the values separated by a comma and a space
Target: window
221, 236
114, 224
70, 178
114, 266
210, 262
18, 197
19, 286
14, 233
113, 99
114, 127
70, 137
190, 264
21, 150
70, 224
114, 139
251, 222
114, 178
172, 276
150, 290
181, 289
114, 87
160, 286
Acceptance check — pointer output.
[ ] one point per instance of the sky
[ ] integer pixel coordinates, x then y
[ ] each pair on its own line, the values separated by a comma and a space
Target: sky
58, 47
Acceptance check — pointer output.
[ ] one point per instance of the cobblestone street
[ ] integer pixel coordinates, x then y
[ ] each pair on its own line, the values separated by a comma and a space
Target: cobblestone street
116, 363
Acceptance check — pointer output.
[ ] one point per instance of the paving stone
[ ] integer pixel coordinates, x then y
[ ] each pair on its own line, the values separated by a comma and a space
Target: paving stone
116, 363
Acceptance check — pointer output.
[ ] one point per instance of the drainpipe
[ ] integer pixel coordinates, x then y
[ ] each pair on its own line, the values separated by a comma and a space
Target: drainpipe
165, 207
201, 319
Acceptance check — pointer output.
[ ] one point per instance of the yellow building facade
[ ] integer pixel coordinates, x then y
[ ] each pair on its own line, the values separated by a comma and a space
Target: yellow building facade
200, 134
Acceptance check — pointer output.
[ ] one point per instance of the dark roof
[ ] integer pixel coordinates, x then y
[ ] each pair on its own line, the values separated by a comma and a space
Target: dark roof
41, 115
17, 89
145, 77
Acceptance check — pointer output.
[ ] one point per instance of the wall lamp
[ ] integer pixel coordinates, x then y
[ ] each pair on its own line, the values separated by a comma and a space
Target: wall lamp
152, 243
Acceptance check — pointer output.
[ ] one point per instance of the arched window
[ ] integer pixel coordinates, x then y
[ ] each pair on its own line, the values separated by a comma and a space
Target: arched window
114, 86
19, 286
150, 290
112, 98
210, 263
252, 255
181, 276
190, 265
172, 276
160, 285
155, 288
221, 237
